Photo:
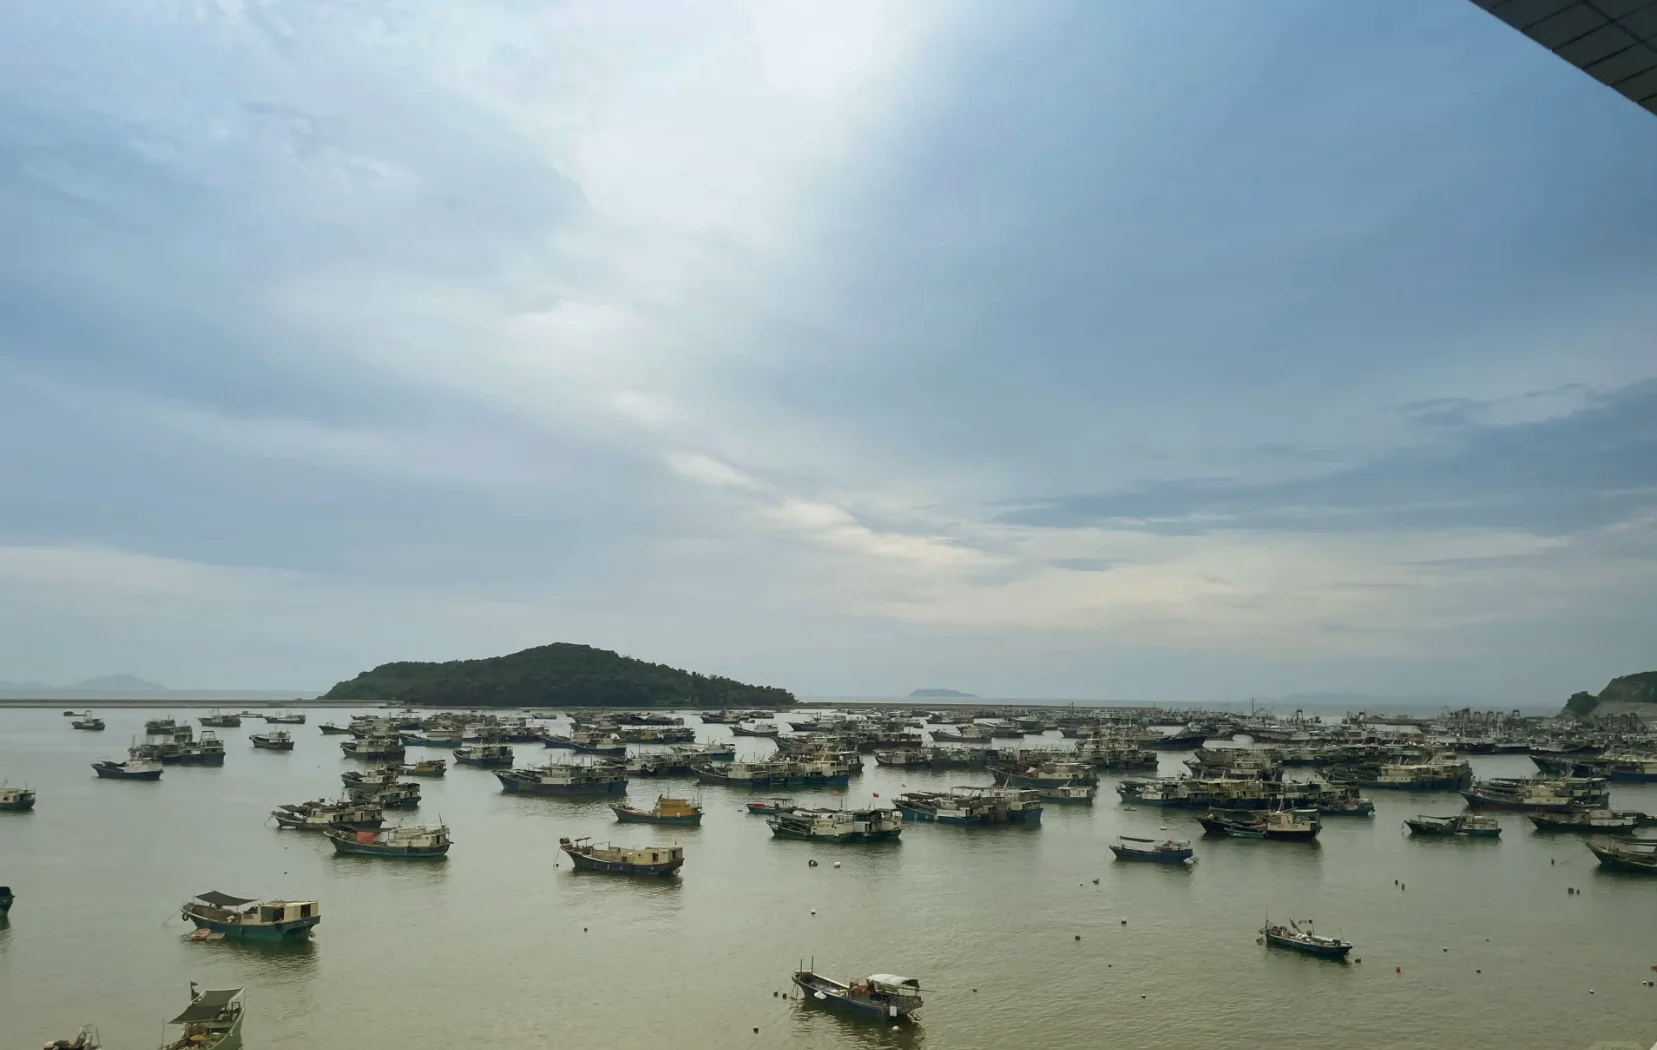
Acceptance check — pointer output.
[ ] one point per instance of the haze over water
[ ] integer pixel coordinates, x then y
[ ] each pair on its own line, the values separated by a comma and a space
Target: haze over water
503, 944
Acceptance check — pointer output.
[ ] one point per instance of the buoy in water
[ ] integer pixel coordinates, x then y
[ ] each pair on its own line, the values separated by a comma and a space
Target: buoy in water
837, 864
1078, 936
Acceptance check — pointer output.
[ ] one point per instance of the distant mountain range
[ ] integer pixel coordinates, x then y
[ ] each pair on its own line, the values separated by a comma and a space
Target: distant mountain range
123, 686
942, 694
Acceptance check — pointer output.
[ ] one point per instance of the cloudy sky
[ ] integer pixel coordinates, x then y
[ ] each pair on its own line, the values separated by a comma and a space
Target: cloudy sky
1124, 350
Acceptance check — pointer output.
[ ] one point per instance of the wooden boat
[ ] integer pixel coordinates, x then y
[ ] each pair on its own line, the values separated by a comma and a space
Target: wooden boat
882, 996
623, 860
279, 740
1637, 855
245, 917
96, 725
1599, 821
771, 805
322, 815
331, 729
485, 755
1166, 851
1470, 825
1291, 936
838, 825
564, 780
285, 720
427, 767
381, 747
220, 721
212, 1021
408, 841
667, 811
131, 769
16, 800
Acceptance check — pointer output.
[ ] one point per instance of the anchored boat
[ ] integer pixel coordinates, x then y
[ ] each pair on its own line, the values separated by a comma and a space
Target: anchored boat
1599, 821
212, 1021
322, 815
427, 767
86, 1039
883, 995
667, 811
564, 780
1639, 855
250, 918
408, 841
1291, 936
972, 805
381, 747
489, 756
333, 729
1470, 825
1166, 851
838, 825
1069, 794
285, 720
277, 740
96, 725
780, 774
388, 796
132, 769
220, 721
6, 898
623, 860
1541, 795
16, 800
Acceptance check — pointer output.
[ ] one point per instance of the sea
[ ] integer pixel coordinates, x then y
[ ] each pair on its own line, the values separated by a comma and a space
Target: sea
1029, 937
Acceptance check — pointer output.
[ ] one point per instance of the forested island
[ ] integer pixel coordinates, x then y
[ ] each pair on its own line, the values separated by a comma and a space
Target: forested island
1630, 694
557, 675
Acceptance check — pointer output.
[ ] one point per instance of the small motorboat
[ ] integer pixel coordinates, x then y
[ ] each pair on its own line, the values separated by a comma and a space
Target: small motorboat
276, 740
95, 725
245, 917
666, 811
1166, 851
1291, 936
884, 996
408, 841
771, 805
212, 1021
1468, 825
623, 860
131, 769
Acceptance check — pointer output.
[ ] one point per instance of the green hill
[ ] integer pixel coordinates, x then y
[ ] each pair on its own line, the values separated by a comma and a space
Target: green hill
1632, 693
558, 675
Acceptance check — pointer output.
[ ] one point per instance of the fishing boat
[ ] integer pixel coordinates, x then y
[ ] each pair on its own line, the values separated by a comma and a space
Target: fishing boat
1165, 851
384, 776
407, 841
883, 996
1040, 774
1470, 825
218, 720
181, 750
623, 860
1188, 739
381, 747
155, 726
132, 769
212, 1021
1540, 795
1291, 936
333, 729
285, 719
1069, 794
1637, 855
246, 917
588, 742
276, 740
972, 805
838, 825
432, 738
95, 725
1599, 821
387, 796
16, 800
666, 811
771, 805
765, 729
322, 815
786, 773
564, 780
486, 755
1296, 825
6, 898
427, 767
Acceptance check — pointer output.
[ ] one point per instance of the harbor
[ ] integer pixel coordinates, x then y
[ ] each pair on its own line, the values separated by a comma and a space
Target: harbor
461, 926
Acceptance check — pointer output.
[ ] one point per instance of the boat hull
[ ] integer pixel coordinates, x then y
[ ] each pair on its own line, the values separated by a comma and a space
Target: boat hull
1483, 801
111, 773
484, 763
273, 931
583, 862
1174, 856
833, 996
515, 787
1611, 862
811, 780
1322, 951
397, 852
273, 745
22, 805
885, 835
639, 816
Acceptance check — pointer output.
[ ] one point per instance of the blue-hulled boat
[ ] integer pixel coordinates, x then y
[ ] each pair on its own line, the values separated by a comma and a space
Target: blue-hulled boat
882, 996
1294, 938
404, 841
244, 917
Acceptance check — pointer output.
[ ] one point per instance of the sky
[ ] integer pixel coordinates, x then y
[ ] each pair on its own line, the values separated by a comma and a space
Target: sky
1155, 352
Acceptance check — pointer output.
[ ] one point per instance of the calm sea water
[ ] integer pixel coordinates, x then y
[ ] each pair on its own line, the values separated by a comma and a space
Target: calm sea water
501, 944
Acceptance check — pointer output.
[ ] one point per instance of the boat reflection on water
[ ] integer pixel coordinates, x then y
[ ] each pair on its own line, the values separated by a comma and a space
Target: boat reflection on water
814, 1026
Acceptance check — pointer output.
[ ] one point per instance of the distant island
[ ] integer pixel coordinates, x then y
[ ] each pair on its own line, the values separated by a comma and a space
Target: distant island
1630, 694
557, 675
941, 694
